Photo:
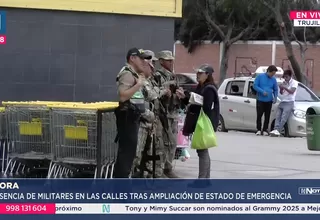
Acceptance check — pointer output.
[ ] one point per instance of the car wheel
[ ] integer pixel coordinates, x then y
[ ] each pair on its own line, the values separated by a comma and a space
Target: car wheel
285, 131
221, 126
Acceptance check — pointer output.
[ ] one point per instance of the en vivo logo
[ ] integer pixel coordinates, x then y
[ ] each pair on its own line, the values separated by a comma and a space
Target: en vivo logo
305, 18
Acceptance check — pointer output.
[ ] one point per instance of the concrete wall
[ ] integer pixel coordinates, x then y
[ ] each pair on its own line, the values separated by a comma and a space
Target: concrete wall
247, 57
72, 56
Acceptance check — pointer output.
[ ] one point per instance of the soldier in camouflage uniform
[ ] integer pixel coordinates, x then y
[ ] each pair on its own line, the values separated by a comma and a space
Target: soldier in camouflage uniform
171, 102
149, 123
158, 128
131, 106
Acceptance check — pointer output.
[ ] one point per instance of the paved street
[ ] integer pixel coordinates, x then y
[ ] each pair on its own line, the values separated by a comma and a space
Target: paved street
244, 155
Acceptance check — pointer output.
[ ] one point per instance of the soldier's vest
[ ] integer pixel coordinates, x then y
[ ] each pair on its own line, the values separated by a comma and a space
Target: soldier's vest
136, 102
162, 74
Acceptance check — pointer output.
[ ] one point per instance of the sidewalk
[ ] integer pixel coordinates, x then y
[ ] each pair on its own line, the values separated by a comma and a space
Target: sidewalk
244, 155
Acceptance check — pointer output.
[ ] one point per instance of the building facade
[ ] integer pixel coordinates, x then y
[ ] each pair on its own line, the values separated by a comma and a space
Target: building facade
247, 57
73, 50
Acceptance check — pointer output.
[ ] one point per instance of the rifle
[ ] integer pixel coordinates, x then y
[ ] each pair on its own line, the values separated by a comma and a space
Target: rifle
151, 139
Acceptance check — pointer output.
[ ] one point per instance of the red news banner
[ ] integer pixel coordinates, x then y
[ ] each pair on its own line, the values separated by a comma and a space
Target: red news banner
27, 209
305, 18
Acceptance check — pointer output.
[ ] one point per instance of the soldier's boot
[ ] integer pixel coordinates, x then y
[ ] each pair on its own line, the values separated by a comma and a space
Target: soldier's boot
135, 173
170, 174
159, 173
161, 176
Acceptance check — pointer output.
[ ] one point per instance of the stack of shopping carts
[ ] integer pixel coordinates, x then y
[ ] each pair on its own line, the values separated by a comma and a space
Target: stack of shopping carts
60, 140
83, 140
29, 149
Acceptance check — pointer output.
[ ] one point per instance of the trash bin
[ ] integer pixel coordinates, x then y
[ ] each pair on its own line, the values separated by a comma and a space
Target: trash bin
313, 128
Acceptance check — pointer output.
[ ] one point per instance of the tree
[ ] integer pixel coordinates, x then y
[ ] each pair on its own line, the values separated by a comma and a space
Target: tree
193, 27
303, 47
280, 11
225, 20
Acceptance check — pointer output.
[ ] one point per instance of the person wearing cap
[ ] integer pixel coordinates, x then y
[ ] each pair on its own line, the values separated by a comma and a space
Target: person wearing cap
266, 87
211, 107
153, 59
131, 106
152, 93
147, 121
170, 99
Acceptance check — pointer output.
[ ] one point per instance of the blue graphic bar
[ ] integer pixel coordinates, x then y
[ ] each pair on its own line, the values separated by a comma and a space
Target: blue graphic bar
105, 197
3, 21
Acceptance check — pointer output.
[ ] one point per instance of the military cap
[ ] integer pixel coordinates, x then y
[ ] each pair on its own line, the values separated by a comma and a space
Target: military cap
205, 68
166, 55
151, 53
136, 52
150, 63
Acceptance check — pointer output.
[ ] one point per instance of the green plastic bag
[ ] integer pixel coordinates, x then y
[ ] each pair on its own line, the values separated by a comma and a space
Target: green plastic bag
204, 136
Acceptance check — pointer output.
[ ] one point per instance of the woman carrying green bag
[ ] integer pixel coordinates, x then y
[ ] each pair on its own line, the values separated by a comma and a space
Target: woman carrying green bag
202, 118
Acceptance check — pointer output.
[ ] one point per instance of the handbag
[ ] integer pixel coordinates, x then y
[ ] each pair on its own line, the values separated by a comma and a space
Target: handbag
190, 123
204, 136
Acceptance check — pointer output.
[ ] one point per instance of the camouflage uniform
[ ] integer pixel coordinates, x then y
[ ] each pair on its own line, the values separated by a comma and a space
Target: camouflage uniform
128, 113
155, 128
171, 105
146, 123
127, 124
150, 124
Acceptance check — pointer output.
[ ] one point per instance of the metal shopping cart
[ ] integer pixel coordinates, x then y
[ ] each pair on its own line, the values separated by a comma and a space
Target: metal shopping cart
83, 140
29, 150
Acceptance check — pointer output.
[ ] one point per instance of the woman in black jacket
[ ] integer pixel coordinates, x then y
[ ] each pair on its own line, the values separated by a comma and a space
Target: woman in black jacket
211, 107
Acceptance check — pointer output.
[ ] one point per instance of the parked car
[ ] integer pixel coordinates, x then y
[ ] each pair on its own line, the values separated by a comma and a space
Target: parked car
188, 81
238, 107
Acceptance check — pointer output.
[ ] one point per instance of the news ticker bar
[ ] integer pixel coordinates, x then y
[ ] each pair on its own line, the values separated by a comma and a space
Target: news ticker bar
157, 208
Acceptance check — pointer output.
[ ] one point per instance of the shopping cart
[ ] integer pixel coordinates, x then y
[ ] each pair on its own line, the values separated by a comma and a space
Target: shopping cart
83, 140
29, 149
3, 140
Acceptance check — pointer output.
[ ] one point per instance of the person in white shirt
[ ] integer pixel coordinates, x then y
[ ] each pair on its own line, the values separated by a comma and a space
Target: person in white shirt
288, 91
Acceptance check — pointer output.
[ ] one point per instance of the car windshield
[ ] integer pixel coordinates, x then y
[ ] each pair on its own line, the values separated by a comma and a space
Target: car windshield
194, 78
187, 78
304, 95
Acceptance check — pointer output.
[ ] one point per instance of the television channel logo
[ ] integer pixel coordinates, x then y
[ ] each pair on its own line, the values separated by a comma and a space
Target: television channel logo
312, 191
105, 208
2, 27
